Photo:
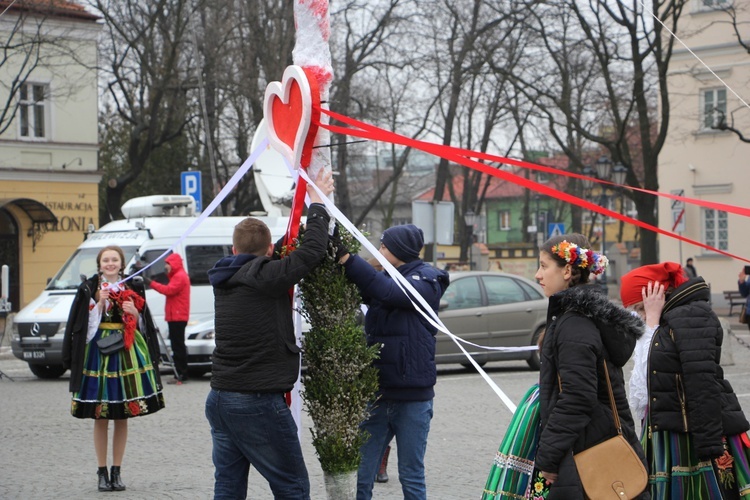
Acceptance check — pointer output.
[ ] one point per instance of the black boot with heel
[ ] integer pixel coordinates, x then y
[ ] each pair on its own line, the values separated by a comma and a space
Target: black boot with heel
104, 483
114, 476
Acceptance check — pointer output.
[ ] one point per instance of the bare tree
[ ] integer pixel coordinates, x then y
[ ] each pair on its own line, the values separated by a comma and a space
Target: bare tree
598, 77
239, 55
147, 63
364, 45
723, 123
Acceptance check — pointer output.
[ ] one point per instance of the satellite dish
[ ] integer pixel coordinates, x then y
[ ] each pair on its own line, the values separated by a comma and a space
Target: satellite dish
272, 177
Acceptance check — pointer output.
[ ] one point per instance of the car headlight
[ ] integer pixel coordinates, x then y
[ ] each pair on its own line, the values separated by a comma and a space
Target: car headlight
14, 333
61, 330
207, 335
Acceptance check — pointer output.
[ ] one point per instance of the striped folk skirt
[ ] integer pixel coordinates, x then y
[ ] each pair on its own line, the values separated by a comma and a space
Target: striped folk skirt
513, 467
676, 473
121, 385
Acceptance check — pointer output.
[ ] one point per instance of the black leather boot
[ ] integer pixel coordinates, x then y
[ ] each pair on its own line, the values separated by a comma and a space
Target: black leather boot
114, 475
104, 484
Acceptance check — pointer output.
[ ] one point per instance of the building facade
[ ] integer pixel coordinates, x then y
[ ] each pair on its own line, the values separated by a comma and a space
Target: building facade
49, 141
699, 159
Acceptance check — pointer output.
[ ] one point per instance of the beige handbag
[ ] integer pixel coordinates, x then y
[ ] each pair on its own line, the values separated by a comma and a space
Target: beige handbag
611, 469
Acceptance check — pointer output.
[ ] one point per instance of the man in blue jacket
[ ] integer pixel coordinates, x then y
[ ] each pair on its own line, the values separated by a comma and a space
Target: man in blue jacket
406, 366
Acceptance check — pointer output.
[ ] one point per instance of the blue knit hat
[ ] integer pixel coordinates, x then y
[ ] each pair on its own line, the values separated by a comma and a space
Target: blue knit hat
404, 242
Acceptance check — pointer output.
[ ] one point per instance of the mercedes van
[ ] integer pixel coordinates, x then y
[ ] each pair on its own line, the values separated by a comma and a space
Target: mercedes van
153, 225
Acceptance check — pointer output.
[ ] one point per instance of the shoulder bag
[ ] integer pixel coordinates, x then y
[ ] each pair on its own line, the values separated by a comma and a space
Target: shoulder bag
611, 469
111, 344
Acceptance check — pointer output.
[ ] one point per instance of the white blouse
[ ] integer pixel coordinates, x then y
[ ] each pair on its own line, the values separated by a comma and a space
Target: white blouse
95, 314
639, 376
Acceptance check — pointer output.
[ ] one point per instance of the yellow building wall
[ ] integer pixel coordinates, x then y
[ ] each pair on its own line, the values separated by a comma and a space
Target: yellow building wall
75, 204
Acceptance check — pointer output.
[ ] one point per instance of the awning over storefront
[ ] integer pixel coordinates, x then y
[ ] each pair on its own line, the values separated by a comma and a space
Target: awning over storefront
37, 212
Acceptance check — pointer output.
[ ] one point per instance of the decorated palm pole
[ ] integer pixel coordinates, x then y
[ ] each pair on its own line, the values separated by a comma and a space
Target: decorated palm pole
340, 380
312, 53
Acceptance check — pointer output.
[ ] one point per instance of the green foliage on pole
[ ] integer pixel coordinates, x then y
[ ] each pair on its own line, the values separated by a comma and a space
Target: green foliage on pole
340, 380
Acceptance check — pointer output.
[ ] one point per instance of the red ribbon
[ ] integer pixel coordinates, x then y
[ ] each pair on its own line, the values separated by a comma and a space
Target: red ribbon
462, 156
128, 320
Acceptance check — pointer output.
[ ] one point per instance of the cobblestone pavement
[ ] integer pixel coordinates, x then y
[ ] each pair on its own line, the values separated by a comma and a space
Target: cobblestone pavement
47, 454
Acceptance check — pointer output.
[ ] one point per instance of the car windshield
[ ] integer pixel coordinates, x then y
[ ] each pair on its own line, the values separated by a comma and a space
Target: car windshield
81, 264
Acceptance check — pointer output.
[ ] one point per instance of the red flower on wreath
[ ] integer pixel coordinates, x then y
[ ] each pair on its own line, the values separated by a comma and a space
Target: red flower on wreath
98, 411
134, 407
128, 319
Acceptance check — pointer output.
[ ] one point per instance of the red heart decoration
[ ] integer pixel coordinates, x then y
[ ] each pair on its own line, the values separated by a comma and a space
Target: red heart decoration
289, 108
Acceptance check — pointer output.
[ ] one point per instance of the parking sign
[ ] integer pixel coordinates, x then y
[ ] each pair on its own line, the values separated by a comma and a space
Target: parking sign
190, 185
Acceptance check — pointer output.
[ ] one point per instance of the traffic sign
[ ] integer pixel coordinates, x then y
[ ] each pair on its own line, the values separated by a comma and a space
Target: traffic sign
555, 229
190, 185
678, 220
678, 204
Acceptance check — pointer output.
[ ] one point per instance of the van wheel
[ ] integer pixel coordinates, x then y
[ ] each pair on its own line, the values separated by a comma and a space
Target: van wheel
47, 371
533, 361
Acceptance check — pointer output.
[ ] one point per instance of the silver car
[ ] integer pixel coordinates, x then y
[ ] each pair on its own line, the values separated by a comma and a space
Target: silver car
491, 309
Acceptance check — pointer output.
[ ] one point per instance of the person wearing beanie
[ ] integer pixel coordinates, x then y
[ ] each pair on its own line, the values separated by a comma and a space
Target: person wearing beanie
695, 432
406, 366
585, 333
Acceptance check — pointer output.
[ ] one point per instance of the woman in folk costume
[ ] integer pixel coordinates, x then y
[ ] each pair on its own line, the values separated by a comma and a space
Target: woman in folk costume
694, 431
584, 331
121, 384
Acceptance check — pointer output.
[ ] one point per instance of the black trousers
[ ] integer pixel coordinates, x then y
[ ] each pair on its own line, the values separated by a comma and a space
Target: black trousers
179, 351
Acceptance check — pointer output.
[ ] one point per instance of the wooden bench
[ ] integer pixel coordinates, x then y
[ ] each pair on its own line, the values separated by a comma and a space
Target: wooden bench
734, 298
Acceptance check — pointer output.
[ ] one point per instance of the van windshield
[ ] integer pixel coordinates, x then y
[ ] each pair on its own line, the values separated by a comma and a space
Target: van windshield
83, 262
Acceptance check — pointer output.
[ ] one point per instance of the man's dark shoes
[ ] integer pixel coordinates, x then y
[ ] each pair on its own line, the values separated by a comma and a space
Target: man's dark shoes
104, 484
115, 479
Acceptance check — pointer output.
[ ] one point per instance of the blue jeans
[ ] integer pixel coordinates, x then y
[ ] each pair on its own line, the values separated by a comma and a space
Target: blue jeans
258, 430
409, 421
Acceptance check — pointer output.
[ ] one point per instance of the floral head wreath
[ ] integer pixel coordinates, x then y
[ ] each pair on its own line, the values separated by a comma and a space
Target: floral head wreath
580, 257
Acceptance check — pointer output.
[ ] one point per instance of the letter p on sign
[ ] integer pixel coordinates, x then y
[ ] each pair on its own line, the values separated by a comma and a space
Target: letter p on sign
190, 184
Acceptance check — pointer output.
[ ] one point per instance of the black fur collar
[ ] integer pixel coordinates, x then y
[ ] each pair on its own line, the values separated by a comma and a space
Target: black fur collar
619, 327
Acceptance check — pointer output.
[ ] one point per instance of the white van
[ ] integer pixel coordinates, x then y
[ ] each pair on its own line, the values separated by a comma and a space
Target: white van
153, 224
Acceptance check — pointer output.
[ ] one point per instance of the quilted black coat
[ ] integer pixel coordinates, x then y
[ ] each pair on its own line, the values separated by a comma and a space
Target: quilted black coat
686, 381
584, 330
256, 350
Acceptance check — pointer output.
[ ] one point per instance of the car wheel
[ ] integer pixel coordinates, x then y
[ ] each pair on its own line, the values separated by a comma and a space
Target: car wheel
533, 361
469, 366
198, 372
47, 371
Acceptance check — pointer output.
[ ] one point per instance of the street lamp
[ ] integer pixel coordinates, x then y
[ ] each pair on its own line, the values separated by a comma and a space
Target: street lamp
605, 171
470, 218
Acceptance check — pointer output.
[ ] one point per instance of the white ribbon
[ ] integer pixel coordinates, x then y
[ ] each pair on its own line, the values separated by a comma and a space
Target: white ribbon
423, 308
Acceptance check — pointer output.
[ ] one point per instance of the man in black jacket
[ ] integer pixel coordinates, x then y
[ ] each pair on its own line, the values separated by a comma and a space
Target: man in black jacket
256, 359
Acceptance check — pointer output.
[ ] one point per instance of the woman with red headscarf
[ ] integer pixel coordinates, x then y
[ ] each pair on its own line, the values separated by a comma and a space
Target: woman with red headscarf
694, 431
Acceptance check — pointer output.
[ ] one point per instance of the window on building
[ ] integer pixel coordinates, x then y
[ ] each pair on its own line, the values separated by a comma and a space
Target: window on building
716, 228
503, 220
542, 177
32, 110
702, 5
714, 107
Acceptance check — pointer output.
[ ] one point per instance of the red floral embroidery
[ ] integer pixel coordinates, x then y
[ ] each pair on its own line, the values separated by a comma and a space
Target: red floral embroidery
726, 475
134, 407
98, 411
